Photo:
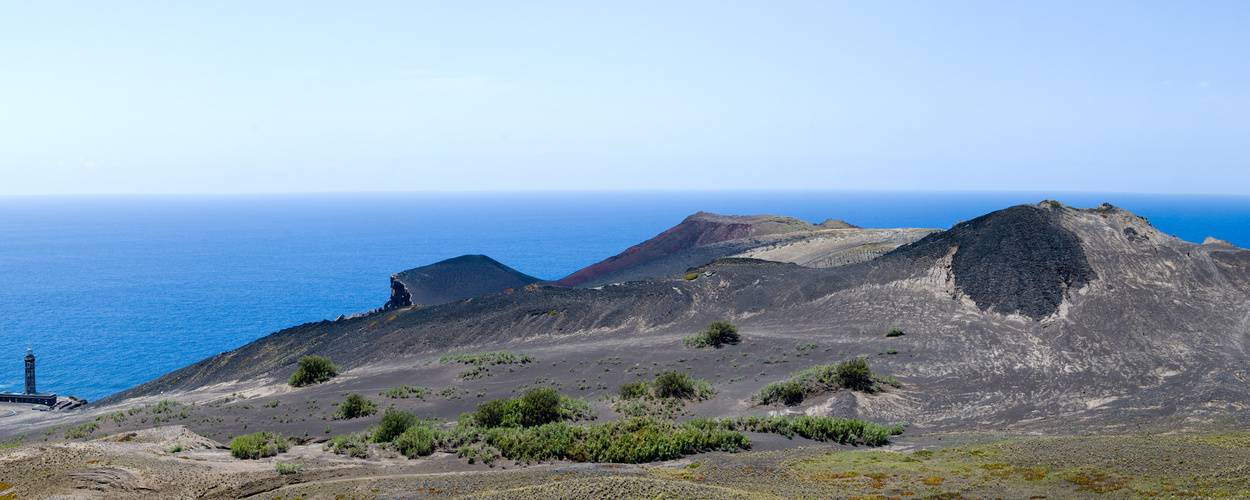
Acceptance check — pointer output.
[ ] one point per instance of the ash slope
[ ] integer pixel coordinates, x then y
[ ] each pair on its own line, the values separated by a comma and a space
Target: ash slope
1035, 316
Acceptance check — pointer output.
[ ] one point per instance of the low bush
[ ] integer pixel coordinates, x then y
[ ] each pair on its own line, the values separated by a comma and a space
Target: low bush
258, 445
633, 440
392, 424
418, 440
692, 276
285, 469
717, 333
841, 430
536, 407
313, 370
894, 332
355, 406
352, 445
634, 390
852, 374
672, 384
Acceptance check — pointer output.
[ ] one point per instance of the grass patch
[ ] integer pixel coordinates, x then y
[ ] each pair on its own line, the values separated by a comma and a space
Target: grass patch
258, 445
717, 334
841, 430
894, 332
285, 469
313, 370
12, 443
81, 430
405, 391
488, 358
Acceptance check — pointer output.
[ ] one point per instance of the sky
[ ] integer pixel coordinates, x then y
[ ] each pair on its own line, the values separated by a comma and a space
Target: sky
260, 97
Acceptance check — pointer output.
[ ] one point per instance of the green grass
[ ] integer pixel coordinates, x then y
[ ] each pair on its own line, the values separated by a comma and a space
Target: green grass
313, 370
894, 332
81, 430
258, 445
12, 443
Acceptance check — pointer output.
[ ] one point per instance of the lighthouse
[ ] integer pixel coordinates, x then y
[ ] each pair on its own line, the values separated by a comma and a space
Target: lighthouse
31, 395
30, 372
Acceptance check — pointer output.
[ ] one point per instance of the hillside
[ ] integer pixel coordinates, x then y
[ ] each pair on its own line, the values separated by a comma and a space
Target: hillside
1035, 319
1026, 316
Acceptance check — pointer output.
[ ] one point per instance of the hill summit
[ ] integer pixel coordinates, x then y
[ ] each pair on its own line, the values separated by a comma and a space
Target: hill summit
698, 230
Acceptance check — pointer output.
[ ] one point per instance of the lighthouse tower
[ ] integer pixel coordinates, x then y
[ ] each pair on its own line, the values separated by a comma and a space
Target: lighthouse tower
30, 372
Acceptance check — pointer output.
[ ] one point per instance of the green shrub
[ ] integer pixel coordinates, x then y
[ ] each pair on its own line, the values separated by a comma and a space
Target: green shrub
841, 430
717, 333
852, 374
634, 440
258, 445
672, 384
355, 406
392, 424
536, 407
692, 276
634, 390
417, 441
539, 406
894, 332
353, 445
855, 374
313, 370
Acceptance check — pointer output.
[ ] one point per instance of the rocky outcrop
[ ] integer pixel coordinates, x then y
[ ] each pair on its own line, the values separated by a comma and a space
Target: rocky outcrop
452, 280
1017, 260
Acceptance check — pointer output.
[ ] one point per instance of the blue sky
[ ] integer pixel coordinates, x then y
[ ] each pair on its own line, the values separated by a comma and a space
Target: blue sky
238, 97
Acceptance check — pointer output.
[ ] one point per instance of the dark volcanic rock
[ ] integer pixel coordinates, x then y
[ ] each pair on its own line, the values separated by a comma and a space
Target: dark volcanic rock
454, 279
1020, 259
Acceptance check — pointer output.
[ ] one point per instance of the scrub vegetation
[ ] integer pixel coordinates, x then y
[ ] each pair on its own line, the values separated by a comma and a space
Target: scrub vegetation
852, 374
313, 370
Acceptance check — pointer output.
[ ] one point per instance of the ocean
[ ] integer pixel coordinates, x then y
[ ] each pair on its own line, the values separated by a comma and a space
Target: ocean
113, 291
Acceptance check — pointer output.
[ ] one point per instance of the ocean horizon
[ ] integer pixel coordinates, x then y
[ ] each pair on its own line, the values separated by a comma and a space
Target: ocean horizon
113, 291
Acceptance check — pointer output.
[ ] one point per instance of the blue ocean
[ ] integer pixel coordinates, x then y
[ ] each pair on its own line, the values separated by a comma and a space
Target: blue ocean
113, 291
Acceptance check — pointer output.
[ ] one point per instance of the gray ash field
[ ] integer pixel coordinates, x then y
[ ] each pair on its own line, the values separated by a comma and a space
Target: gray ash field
1034, 319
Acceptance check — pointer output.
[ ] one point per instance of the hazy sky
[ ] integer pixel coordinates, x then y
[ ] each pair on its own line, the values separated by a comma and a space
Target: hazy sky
181, 97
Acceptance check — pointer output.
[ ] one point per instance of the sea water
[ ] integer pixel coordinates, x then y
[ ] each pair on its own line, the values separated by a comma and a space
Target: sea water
114, 291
